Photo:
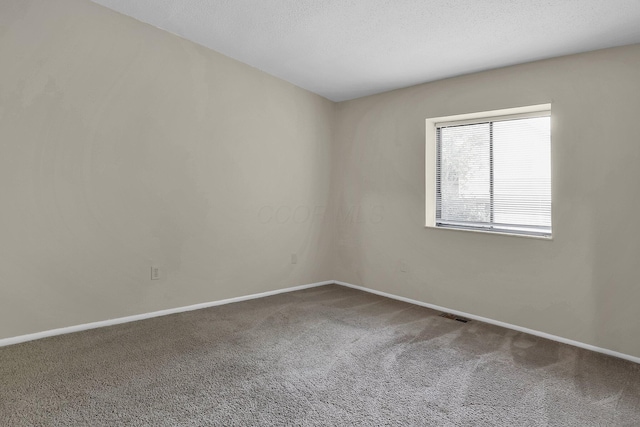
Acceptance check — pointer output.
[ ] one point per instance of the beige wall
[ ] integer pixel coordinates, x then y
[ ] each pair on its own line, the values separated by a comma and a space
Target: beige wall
583, 285
121, 146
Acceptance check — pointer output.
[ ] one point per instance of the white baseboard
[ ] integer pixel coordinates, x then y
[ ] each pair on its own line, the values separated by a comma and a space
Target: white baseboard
497, 323
101, 324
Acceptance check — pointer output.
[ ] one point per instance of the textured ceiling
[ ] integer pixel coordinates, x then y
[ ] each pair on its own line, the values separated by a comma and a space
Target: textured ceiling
345, 49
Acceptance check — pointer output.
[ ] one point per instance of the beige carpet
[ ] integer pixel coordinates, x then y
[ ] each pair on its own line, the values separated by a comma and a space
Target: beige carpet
323, 356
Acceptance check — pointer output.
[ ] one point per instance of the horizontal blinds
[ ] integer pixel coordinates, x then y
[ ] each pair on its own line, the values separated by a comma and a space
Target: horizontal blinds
495, 175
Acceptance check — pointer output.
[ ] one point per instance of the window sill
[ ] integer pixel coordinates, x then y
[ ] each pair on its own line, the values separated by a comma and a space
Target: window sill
497, 233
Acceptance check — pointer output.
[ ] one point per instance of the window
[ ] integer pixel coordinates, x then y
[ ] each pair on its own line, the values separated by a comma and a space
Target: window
491, 171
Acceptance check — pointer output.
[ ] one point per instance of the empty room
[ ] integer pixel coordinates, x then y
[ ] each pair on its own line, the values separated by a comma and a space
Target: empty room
319, 213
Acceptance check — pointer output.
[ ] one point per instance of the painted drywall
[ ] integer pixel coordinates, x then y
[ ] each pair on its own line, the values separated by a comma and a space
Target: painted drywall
582, 285
123, 146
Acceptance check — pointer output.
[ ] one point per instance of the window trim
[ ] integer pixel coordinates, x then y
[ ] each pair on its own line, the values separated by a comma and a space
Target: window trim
432, 124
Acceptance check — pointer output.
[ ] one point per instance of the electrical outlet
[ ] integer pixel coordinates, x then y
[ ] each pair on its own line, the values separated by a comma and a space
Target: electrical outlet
155, 272
294, 258
403, 267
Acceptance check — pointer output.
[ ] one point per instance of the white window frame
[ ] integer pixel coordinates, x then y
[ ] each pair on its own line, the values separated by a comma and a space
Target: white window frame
470, 118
